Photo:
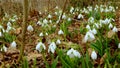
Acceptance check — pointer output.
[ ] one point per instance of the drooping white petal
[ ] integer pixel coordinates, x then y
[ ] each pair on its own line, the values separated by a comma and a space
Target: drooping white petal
45, 21
30, 28
119, 45
58, 42
49, 16
94, 31
94, 55
52, 47
73, 53
60, 32
110, 26
4, 48
1, 34
13, 44
40, 46
80, 16
115, 29
41, 34
88, 27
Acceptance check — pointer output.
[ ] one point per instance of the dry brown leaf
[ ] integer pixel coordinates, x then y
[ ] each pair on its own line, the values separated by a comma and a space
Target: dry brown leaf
103, 58
32, 56
90, 51
110, 34
18, 30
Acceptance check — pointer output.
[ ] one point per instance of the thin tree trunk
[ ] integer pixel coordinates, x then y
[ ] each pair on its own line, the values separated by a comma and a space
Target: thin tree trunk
24, 27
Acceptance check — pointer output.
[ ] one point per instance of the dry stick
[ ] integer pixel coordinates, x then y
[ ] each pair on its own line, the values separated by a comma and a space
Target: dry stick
24, 25
63, 10
48, 5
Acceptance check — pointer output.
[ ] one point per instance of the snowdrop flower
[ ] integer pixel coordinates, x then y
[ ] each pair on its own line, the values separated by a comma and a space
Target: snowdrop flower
73, 53
69, 19
106, 21
58, 41
94, 31
119, 45
56, 7
52, 47
110, 26
80, 16
4, 48
64, 16
60, 32
71, 10
91, 20
30, 28
97, 25
41, 34
94, 55
50, 21
56, 13
1, 34
8, 28
40, 46
49, 16
13, 44
45, 21
13, 20
115, 29
89, 36
39, 23
46, 33
9, 24
88, 27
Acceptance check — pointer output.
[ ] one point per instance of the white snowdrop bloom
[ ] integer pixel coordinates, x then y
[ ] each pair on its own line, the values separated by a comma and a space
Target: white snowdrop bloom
115, 29
88, 27
91, 20
110, 26
106, 10
58, 41
117, 7
45, 21
69, 19
13, 20
13, 44
80, 16
89, 37
106, 21
94, 55
40, 46
60, 32
8, 28
1, 34
41, 34
97, 25
56, 13
46, 33
64, 16
39, 23
119, 45
56, 7
30, 28
49, 16
94, 31
52, 47
57, 21
73, 53
50, 21
1, 27
9, 24
71, 10
4, 48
